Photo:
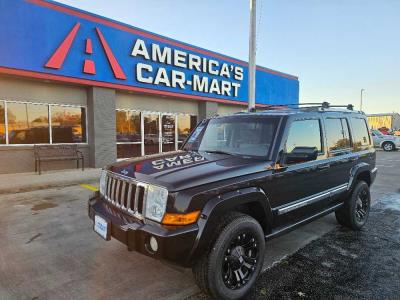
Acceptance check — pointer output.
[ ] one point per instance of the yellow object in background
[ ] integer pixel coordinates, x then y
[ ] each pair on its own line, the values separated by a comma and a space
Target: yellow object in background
376, 122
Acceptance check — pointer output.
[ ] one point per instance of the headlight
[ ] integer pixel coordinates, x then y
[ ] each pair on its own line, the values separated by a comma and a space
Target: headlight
156, 202
103, 180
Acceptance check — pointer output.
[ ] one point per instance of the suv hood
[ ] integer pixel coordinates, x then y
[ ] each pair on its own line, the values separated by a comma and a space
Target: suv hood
181, 170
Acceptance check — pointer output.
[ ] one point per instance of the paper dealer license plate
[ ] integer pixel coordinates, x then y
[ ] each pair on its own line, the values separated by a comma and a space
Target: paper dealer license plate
101, 226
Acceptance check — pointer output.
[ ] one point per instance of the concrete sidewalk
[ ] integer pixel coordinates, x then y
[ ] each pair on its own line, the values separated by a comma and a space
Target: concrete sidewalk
23, 182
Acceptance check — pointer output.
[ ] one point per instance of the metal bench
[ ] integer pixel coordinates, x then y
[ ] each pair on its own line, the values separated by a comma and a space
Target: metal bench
56, 153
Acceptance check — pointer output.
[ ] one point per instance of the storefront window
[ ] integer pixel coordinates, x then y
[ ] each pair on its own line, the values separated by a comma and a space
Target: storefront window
28, 123
128, 126
68, 124
186, 124
151, 133
2, 123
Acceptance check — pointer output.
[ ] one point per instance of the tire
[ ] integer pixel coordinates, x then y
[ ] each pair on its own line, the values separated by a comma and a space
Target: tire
354, 214
388, 146
239, 244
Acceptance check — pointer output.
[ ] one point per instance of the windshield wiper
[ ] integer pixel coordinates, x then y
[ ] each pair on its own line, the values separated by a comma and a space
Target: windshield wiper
218, 152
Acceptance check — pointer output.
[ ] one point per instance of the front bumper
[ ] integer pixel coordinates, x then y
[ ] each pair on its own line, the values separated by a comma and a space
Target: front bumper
175, 243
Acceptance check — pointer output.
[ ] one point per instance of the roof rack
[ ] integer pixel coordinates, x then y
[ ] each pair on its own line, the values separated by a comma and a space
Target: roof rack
309, 106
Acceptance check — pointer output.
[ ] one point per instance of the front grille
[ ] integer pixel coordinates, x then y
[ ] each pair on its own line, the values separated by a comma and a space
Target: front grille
125, 194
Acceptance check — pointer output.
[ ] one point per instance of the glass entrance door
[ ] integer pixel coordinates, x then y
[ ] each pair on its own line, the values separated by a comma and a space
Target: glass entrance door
168, 132
151, 126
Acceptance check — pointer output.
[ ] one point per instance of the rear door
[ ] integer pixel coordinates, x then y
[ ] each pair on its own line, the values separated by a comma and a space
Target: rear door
340, 156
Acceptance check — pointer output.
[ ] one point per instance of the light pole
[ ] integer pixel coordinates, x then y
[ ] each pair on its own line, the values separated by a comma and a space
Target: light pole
252, 57
361, 99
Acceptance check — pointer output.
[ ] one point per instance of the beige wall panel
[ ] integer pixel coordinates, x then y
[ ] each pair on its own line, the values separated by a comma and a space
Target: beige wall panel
20, 159
155, 103
225, 109
39, 91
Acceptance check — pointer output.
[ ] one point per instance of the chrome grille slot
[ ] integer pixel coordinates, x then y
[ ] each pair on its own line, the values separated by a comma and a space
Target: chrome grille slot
125, 193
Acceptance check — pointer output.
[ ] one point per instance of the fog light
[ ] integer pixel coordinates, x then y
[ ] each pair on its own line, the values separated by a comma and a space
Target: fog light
153, 244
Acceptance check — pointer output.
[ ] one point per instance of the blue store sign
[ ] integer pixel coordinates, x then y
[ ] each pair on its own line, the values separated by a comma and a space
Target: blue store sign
44, 39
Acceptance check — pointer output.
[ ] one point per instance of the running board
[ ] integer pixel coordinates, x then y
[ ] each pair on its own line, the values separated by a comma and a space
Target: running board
302, 222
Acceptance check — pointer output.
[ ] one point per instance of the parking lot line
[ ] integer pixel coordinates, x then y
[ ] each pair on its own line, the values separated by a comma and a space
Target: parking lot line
89, 187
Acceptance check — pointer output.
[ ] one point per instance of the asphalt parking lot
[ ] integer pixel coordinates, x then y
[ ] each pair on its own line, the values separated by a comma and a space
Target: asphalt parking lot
48, 251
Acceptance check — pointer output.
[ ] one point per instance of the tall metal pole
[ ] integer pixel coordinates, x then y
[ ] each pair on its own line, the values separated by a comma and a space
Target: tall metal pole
361, 99
252, 57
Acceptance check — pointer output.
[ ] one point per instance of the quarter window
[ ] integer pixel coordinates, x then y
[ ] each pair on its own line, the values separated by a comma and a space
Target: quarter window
337, 134
304, 134
361, 138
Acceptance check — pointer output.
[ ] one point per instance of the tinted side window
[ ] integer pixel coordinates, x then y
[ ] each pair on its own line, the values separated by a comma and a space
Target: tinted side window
304, 134
361, 138
337, 134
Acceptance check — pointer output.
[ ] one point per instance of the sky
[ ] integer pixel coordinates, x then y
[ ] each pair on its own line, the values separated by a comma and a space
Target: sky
335, 47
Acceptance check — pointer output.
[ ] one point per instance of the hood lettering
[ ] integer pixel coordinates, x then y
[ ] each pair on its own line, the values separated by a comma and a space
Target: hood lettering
176, 161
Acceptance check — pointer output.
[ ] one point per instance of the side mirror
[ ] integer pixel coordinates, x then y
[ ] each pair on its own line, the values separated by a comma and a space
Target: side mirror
301, 154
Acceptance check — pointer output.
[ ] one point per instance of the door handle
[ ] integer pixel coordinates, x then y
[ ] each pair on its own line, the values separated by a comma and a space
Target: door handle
322, 167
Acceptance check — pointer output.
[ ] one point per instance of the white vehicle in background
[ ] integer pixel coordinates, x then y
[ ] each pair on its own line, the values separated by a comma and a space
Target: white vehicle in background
386, 142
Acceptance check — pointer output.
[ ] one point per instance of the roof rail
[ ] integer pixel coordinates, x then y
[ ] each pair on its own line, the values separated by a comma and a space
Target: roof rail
311, 105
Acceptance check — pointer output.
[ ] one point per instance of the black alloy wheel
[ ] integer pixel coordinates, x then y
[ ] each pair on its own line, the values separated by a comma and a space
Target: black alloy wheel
240, 260
362, 206
355, 211
229, 268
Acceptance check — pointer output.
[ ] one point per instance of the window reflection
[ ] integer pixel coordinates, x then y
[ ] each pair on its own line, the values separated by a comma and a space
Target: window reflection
28, 123
128, 126
361, 136
68, 124
129, 130
304, 134
337, 134
151, 134
2, 123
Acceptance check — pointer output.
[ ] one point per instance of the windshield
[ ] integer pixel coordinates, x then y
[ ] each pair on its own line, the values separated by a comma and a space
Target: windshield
235, 135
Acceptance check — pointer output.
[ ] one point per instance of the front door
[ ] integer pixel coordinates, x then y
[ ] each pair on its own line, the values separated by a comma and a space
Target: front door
300, 182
